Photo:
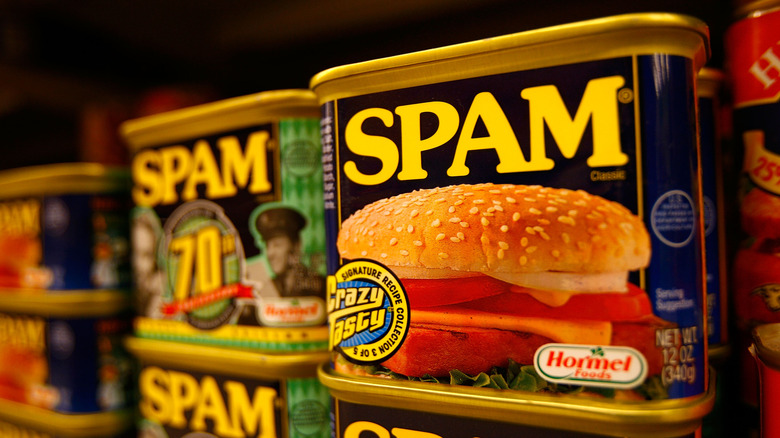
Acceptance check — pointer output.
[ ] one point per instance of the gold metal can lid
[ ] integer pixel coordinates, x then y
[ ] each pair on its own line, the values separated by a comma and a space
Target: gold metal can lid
766, 342
226, 361
710, 82
219, 116
677, 417
64, 304
63, 178
100, 424
602, 38
718, 354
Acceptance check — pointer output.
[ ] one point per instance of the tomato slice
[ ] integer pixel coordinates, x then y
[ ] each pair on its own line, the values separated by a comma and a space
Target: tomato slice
441, 292
618, 306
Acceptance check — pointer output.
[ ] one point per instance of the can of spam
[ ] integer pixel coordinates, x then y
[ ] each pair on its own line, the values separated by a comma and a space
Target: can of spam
62, 353
752, 55
215, 391
711, 89
522, 212
711, 83
364, 406
64, 227
766, 352
227, 223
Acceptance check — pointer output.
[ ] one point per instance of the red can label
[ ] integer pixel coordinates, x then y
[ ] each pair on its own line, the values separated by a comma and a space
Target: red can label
755, 68
754, 57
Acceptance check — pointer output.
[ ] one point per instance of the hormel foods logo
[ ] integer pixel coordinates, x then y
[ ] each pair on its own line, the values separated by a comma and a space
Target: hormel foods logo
614, 367
299, 311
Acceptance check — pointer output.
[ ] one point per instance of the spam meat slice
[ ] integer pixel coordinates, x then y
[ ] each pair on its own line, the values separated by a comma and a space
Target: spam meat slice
468, 340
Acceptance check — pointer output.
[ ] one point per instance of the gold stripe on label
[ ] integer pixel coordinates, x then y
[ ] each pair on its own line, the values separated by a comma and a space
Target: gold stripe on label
640, 198
233, 332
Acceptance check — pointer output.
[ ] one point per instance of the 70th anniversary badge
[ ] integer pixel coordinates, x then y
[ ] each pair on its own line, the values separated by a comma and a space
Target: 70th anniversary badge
368, 312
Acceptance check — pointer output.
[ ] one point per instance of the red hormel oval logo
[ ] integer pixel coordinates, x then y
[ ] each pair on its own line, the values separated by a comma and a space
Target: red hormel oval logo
591, 365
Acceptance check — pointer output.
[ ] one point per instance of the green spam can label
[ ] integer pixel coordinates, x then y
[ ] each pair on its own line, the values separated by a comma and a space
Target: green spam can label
227, 224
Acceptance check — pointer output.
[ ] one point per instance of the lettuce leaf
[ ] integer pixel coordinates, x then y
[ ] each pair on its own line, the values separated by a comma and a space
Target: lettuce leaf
519, 377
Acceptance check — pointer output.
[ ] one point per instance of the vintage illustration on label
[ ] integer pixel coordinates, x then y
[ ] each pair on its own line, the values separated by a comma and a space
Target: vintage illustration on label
226, 235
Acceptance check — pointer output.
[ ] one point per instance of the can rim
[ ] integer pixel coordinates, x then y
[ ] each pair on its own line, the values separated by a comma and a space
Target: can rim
766, 339
52, 179
593, 27
718, 354
75, 303
710, 81
665, 417
711, 74
99, 424
227, 361
210, 117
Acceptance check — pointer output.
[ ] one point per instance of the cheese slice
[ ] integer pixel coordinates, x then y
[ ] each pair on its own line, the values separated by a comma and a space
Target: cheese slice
563, 331
553, 298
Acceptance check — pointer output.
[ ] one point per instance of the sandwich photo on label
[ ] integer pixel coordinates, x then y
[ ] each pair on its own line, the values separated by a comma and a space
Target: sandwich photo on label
757, 263
493, 272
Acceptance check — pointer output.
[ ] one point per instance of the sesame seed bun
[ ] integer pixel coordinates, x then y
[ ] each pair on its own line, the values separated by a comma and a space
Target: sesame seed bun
497, 228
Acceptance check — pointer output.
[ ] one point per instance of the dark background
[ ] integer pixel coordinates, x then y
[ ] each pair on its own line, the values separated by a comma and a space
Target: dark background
71, 71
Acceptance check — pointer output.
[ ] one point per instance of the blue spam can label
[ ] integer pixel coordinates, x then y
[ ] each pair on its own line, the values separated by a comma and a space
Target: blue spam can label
72, 241
65, 364
536, 230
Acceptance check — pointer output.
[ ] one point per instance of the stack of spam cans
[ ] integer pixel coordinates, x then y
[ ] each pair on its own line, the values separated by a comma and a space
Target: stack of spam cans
64, 302
228, 255
516, 233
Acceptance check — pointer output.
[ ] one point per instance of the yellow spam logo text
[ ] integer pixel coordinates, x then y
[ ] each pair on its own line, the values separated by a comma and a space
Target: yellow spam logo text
547, 111
20, 217
179, 400
22, 332
175, 173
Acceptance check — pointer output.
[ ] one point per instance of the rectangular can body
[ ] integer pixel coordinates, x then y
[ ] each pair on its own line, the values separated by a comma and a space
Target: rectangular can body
64, 227
469, 200
185, 389
227, 223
